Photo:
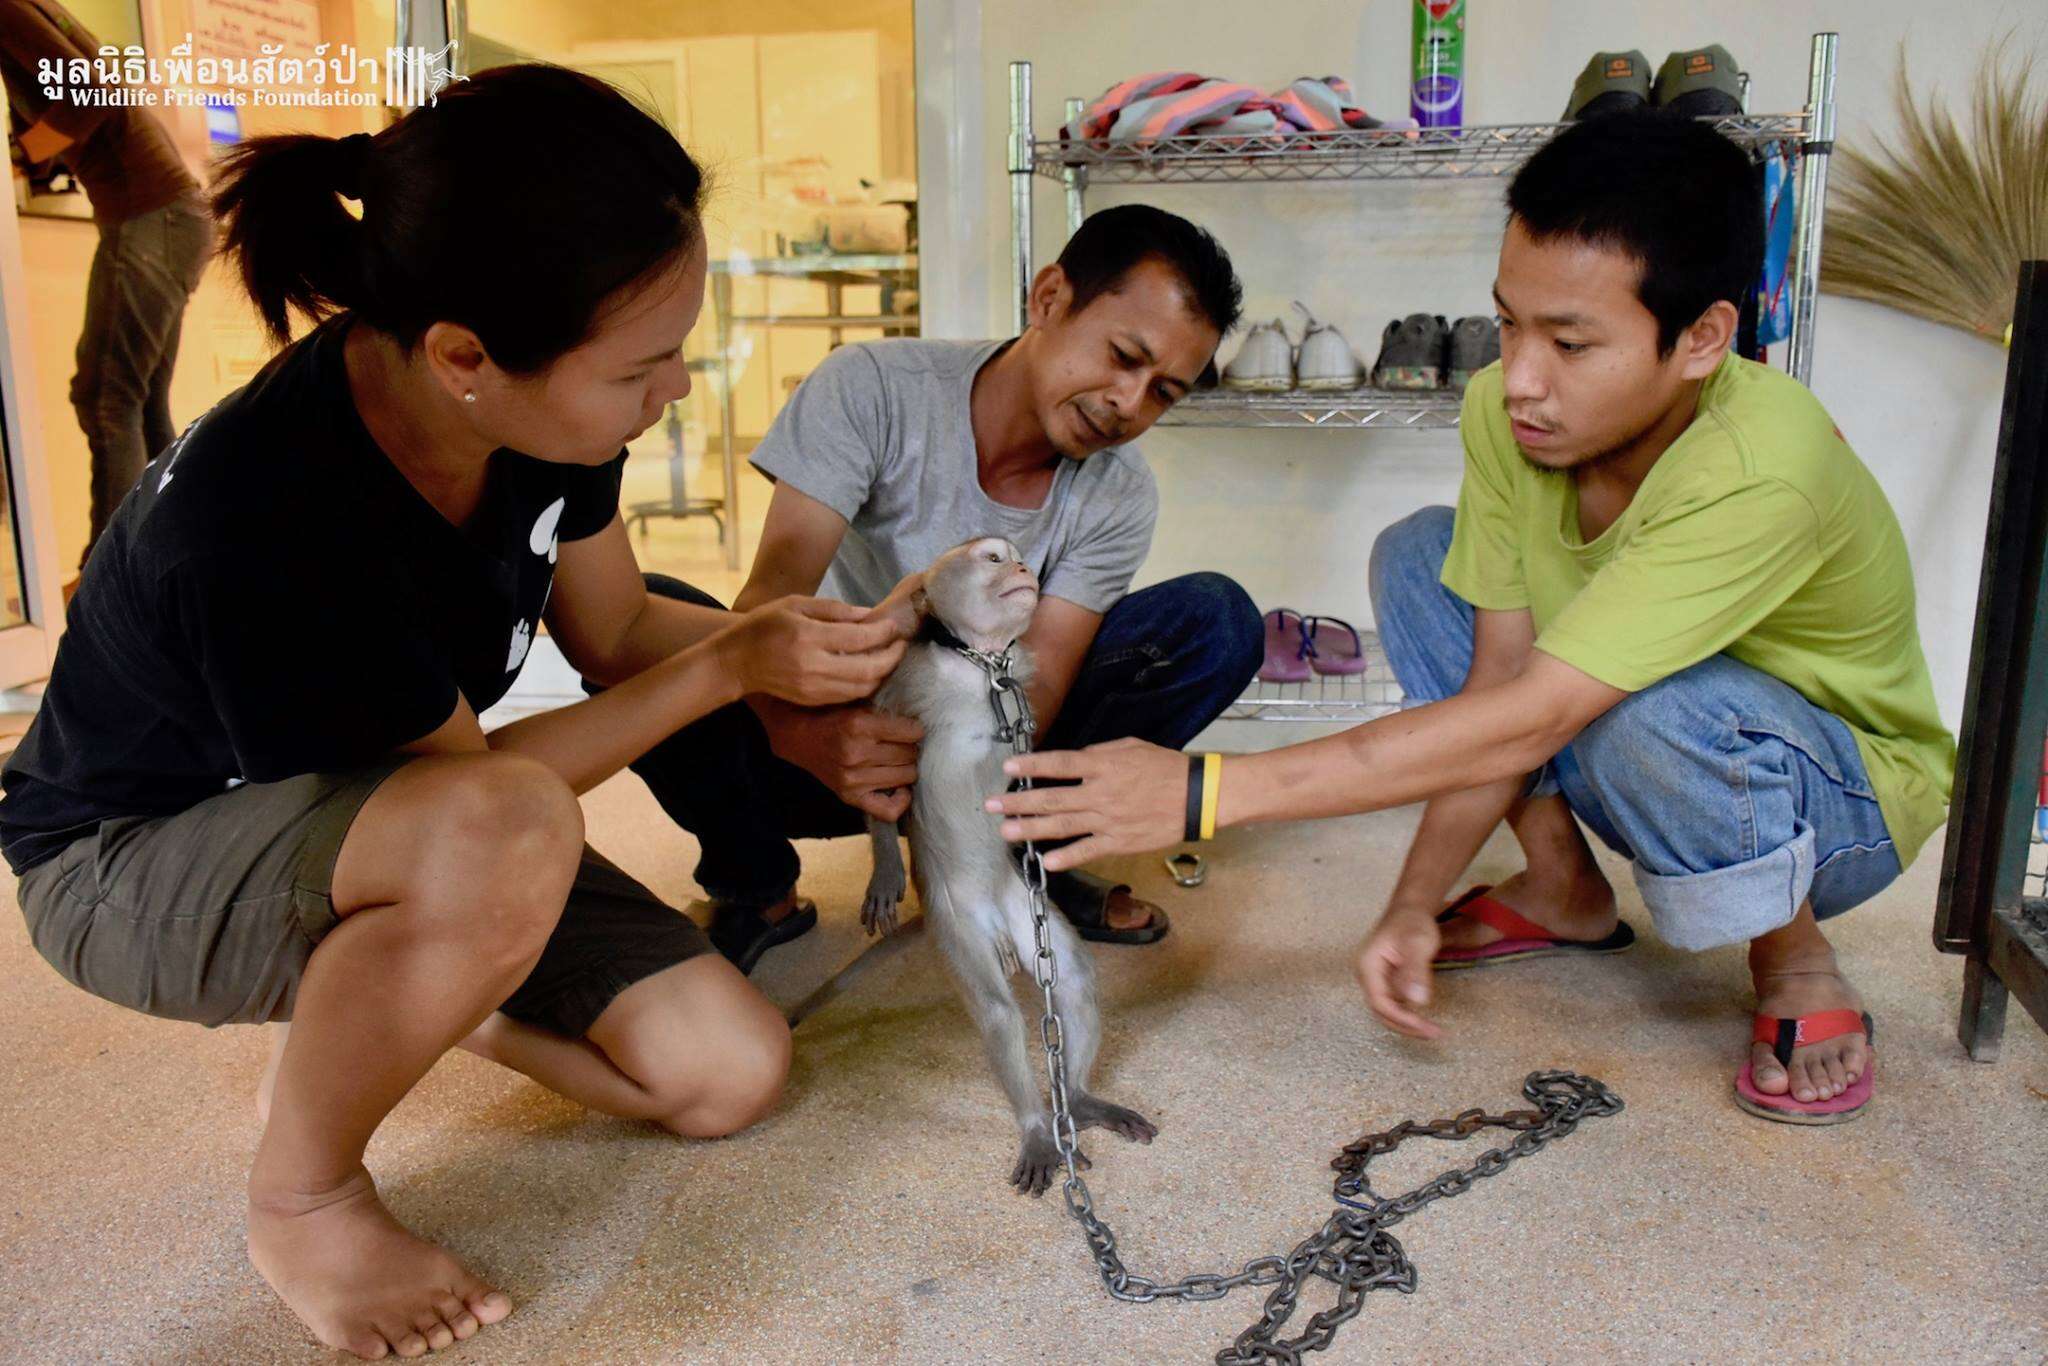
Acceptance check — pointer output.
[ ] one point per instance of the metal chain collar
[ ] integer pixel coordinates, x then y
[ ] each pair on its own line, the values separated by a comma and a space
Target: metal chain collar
1353, 1249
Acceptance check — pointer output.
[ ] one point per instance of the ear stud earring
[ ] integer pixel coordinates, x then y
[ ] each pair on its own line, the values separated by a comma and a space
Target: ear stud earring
469, 395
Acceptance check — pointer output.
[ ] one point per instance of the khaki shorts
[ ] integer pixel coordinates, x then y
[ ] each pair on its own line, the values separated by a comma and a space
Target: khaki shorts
209, 915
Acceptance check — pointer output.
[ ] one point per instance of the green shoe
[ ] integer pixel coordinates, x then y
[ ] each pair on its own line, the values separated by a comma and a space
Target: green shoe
1611, 83
1702, 83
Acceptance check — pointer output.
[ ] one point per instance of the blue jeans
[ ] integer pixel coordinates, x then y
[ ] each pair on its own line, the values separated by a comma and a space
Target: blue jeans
1735, 798
1166, 662
143, 273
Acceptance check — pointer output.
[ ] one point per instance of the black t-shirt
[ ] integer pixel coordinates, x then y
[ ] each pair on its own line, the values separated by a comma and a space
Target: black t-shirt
276, 598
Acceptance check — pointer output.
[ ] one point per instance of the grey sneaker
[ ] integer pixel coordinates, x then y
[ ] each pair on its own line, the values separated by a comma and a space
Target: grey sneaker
1326, 360
1264, 362
1703, 83
1413, 353
1475, 344
1612, 83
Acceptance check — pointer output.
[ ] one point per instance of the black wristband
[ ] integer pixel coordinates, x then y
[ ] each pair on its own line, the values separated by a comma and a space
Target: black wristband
1194, 817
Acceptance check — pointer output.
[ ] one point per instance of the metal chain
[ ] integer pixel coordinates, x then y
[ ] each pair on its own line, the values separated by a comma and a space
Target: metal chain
1353, 1249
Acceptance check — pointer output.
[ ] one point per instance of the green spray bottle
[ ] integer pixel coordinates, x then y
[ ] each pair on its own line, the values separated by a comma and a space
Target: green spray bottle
1436, 98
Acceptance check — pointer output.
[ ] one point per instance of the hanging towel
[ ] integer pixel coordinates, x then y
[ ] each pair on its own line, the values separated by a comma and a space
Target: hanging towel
1774, 299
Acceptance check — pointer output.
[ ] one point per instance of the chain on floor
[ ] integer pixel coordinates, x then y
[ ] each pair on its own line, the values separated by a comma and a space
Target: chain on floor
1353, 1250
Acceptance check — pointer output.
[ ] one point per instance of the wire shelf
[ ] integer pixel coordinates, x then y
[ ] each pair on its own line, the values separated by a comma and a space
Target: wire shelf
1413, 410
1351, 154
1326, 697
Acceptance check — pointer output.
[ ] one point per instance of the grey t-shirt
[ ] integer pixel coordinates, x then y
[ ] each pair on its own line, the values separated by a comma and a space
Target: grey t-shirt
880, 433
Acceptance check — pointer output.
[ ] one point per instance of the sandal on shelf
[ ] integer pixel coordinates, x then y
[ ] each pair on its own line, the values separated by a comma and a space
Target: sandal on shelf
1287, 649
1336, 653
1084, 899
1521, 937
743, 934
1784, 1035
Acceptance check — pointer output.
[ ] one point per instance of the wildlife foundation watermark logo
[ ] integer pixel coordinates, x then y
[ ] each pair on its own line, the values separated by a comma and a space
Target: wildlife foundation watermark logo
404, 77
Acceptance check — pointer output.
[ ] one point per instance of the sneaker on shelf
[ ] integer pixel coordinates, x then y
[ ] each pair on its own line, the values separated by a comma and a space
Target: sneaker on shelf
1326, 361
1265, 362
1413, 352
1612, 83
1702, 83
1475, 344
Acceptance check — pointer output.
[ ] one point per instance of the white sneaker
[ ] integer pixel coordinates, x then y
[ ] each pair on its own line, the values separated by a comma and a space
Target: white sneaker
1265, 362
1327, 361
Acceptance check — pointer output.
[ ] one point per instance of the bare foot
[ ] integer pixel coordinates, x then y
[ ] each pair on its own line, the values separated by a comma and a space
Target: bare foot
268, 1084
1578, 907
358, 1279
1819, 1071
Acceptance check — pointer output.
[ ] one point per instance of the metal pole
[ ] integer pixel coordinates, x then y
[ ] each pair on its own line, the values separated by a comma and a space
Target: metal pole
728, 414
1075, 177
1020, 191
1813, 191
458, 30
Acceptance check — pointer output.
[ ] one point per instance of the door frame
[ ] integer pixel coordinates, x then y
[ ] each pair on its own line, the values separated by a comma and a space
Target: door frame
25, 651
955, 281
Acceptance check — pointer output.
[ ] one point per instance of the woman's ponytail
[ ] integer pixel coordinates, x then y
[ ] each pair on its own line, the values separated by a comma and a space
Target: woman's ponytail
517, 205
297, 247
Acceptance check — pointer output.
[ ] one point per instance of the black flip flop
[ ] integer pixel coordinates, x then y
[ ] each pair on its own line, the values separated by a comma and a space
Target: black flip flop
743, 934
1084, 899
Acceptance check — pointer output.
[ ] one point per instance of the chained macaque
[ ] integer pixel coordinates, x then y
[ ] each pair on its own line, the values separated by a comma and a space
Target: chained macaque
981, 596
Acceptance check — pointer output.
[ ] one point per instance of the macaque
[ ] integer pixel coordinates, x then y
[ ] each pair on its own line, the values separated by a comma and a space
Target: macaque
968, 877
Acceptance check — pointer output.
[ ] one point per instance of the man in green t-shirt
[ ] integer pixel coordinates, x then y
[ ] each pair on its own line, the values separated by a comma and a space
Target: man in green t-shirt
1671, 603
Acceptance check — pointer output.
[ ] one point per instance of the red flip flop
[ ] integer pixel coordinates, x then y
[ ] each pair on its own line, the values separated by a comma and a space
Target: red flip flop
1784, 1035
1521, 937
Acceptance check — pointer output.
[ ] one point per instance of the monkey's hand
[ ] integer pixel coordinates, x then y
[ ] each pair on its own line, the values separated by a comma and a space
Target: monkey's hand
887, 883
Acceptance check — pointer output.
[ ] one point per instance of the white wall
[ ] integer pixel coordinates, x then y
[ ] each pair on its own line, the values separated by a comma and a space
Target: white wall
1292, 514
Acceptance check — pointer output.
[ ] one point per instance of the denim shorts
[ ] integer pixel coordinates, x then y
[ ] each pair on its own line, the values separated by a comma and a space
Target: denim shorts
211, 914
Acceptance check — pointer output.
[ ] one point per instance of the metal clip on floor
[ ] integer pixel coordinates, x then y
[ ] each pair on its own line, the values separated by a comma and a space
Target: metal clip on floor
1353, 1249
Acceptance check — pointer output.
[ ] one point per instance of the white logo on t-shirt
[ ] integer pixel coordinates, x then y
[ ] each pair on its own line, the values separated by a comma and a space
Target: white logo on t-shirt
542, 542
522, 640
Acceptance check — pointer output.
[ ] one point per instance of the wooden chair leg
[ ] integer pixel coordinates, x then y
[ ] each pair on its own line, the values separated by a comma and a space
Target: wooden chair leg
1983, 1018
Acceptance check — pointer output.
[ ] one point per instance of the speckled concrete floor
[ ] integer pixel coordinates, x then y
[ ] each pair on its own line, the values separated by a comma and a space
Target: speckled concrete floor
867, 1220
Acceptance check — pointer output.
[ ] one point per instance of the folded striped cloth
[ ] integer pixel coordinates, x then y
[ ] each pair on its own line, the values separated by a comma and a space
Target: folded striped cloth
1325, 105
1164, 104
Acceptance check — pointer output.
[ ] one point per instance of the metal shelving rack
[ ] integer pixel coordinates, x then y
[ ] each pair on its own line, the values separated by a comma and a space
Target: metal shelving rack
1806, 137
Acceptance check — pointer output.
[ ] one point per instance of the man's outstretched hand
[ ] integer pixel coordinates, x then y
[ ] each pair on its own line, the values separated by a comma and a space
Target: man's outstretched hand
1394, 968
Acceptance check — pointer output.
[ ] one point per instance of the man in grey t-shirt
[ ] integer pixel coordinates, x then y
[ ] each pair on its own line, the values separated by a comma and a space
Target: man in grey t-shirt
891, 452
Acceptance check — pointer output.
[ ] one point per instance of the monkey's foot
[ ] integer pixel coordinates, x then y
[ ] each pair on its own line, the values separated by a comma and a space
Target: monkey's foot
1093, 1112
878, 911
1038, 1163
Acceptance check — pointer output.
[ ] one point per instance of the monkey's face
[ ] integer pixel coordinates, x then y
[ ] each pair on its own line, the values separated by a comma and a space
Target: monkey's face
982, 592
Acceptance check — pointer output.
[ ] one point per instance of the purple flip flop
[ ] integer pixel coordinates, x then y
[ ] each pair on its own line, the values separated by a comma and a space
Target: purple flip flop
1340, 652
1287, 648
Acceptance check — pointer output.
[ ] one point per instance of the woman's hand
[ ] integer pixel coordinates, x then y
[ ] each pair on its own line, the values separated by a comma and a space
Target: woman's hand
1394, 968
811, 651
1131, 797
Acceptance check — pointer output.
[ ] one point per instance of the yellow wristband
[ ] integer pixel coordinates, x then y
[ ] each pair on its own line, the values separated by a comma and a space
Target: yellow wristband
1212, 785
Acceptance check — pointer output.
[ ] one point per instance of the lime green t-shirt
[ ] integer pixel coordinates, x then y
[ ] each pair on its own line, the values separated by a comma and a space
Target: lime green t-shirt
1757, 533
